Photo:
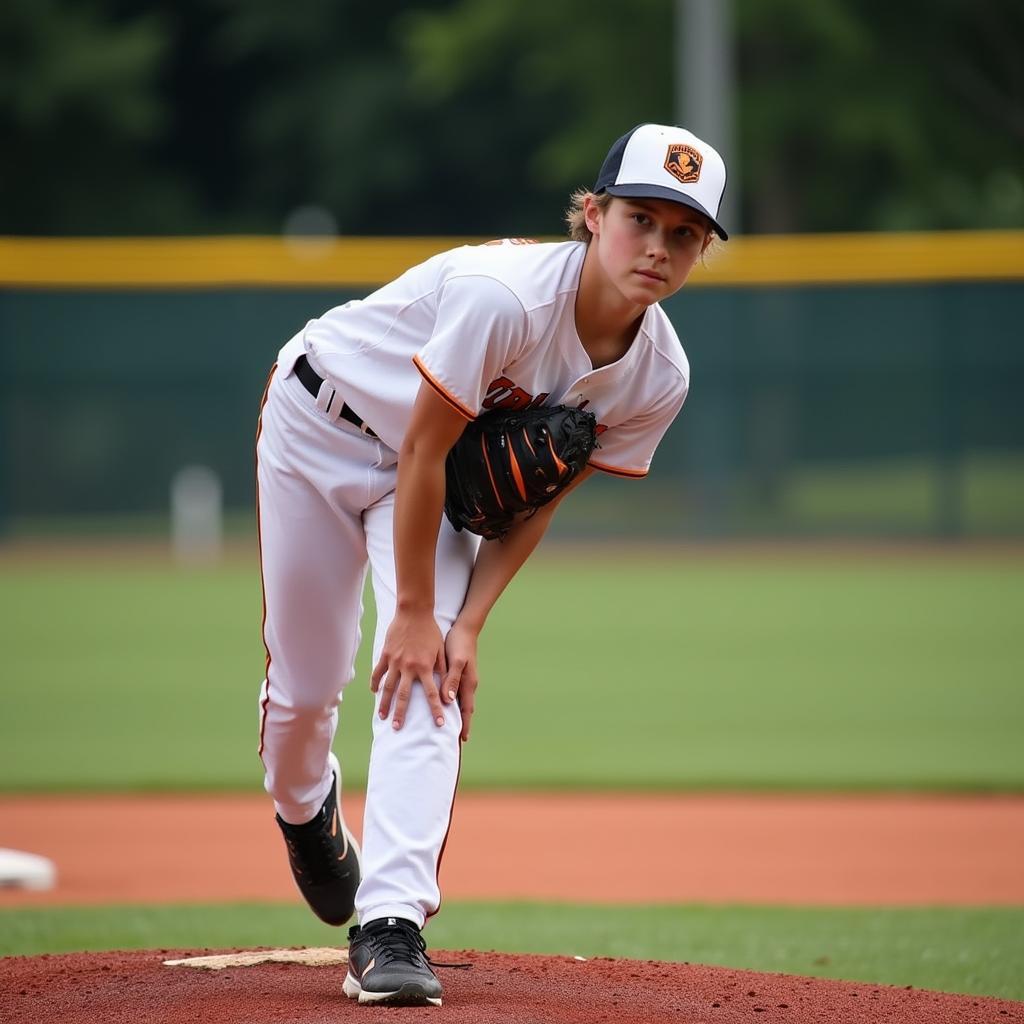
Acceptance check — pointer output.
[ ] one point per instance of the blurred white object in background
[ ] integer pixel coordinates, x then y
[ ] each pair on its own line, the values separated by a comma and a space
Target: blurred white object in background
197, 515
310, 232
20, 870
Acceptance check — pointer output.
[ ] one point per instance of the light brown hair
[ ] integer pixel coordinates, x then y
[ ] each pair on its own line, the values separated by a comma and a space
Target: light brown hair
574, 217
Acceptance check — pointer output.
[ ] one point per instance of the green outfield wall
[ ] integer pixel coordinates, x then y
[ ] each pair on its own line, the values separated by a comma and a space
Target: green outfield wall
841, 386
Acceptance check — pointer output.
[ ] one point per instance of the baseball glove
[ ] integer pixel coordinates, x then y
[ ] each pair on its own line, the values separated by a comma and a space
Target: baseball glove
506, 465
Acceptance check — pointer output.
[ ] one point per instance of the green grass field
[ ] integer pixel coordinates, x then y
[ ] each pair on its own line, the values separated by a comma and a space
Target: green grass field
675, 669
657, 670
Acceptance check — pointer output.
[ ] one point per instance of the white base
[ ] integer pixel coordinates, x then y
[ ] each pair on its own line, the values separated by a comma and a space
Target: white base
20, 870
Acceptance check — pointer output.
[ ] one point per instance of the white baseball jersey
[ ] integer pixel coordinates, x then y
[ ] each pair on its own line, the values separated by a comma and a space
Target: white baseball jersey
493, 326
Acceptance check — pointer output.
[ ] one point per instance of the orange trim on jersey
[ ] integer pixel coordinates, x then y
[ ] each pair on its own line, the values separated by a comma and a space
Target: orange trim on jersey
447, 831
259, 543
446, 395
633, 474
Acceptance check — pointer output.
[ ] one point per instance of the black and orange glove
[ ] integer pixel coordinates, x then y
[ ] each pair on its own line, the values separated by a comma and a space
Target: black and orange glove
506, 465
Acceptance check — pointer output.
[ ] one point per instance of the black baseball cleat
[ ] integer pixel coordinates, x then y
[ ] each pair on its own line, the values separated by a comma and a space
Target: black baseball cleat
324, 858
388, 964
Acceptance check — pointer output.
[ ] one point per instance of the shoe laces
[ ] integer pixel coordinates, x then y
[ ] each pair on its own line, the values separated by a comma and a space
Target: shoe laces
400, 941
403, 942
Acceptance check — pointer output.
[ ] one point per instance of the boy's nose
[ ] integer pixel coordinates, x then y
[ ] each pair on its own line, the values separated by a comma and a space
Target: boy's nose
656, 248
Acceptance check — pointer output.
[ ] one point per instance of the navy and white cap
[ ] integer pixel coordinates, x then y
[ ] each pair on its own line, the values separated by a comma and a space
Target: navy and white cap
660, 161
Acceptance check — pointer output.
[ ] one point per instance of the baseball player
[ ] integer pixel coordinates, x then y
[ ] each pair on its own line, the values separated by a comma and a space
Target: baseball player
360, 414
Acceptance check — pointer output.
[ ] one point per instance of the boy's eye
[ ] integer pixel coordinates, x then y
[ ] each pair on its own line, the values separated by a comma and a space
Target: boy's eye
640, 218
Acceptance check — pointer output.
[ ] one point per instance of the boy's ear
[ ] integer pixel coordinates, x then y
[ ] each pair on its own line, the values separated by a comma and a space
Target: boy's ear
592, 214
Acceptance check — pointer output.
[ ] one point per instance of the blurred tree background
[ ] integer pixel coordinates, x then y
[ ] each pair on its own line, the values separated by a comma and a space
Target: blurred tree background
478, 116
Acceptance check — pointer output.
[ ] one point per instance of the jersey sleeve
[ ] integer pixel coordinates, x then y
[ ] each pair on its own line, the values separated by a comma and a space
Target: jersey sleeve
480, 329
628, 448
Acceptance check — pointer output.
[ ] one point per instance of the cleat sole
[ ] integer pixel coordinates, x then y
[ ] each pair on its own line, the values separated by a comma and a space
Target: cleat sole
409, 994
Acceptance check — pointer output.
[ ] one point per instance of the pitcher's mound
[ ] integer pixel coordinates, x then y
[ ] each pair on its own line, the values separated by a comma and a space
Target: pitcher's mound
103, 988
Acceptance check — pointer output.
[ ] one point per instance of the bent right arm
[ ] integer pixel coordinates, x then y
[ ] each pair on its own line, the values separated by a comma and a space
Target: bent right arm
413, 647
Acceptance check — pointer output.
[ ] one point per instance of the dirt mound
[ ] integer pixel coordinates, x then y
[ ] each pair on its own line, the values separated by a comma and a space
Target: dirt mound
102, 988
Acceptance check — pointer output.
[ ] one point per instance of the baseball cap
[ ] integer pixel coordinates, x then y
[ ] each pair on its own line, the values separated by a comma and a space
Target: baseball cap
660, 161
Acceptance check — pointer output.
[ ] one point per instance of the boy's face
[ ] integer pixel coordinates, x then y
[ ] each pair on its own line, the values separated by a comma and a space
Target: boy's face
647, 247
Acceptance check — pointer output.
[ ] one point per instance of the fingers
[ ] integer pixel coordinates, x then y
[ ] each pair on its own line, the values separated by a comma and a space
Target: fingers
378, 672
401, 703
396, 693
434, 700
387, 691
461, 680
467, 701
451, 680
467, 719
460, 683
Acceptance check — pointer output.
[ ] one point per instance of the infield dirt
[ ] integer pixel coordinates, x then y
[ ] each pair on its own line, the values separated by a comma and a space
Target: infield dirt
796, 850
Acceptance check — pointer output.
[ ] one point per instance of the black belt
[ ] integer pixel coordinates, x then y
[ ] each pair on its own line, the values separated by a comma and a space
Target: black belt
311, 381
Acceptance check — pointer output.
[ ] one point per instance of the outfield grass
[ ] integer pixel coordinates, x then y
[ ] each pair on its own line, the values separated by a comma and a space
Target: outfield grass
971, 951
668, 671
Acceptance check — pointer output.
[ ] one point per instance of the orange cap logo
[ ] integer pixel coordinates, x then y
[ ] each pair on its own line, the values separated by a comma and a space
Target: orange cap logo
683, 163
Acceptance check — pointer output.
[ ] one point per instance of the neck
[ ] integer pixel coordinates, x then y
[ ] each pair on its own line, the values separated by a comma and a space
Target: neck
605, 319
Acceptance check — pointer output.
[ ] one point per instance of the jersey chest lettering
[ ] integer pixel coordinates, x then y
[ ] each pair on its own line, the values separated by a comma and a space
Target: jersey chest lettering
504, 393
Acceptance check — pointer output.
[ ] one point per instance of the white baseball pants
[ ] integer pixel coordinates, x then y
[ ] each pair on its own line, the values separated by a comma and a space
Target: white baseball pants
326, 496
